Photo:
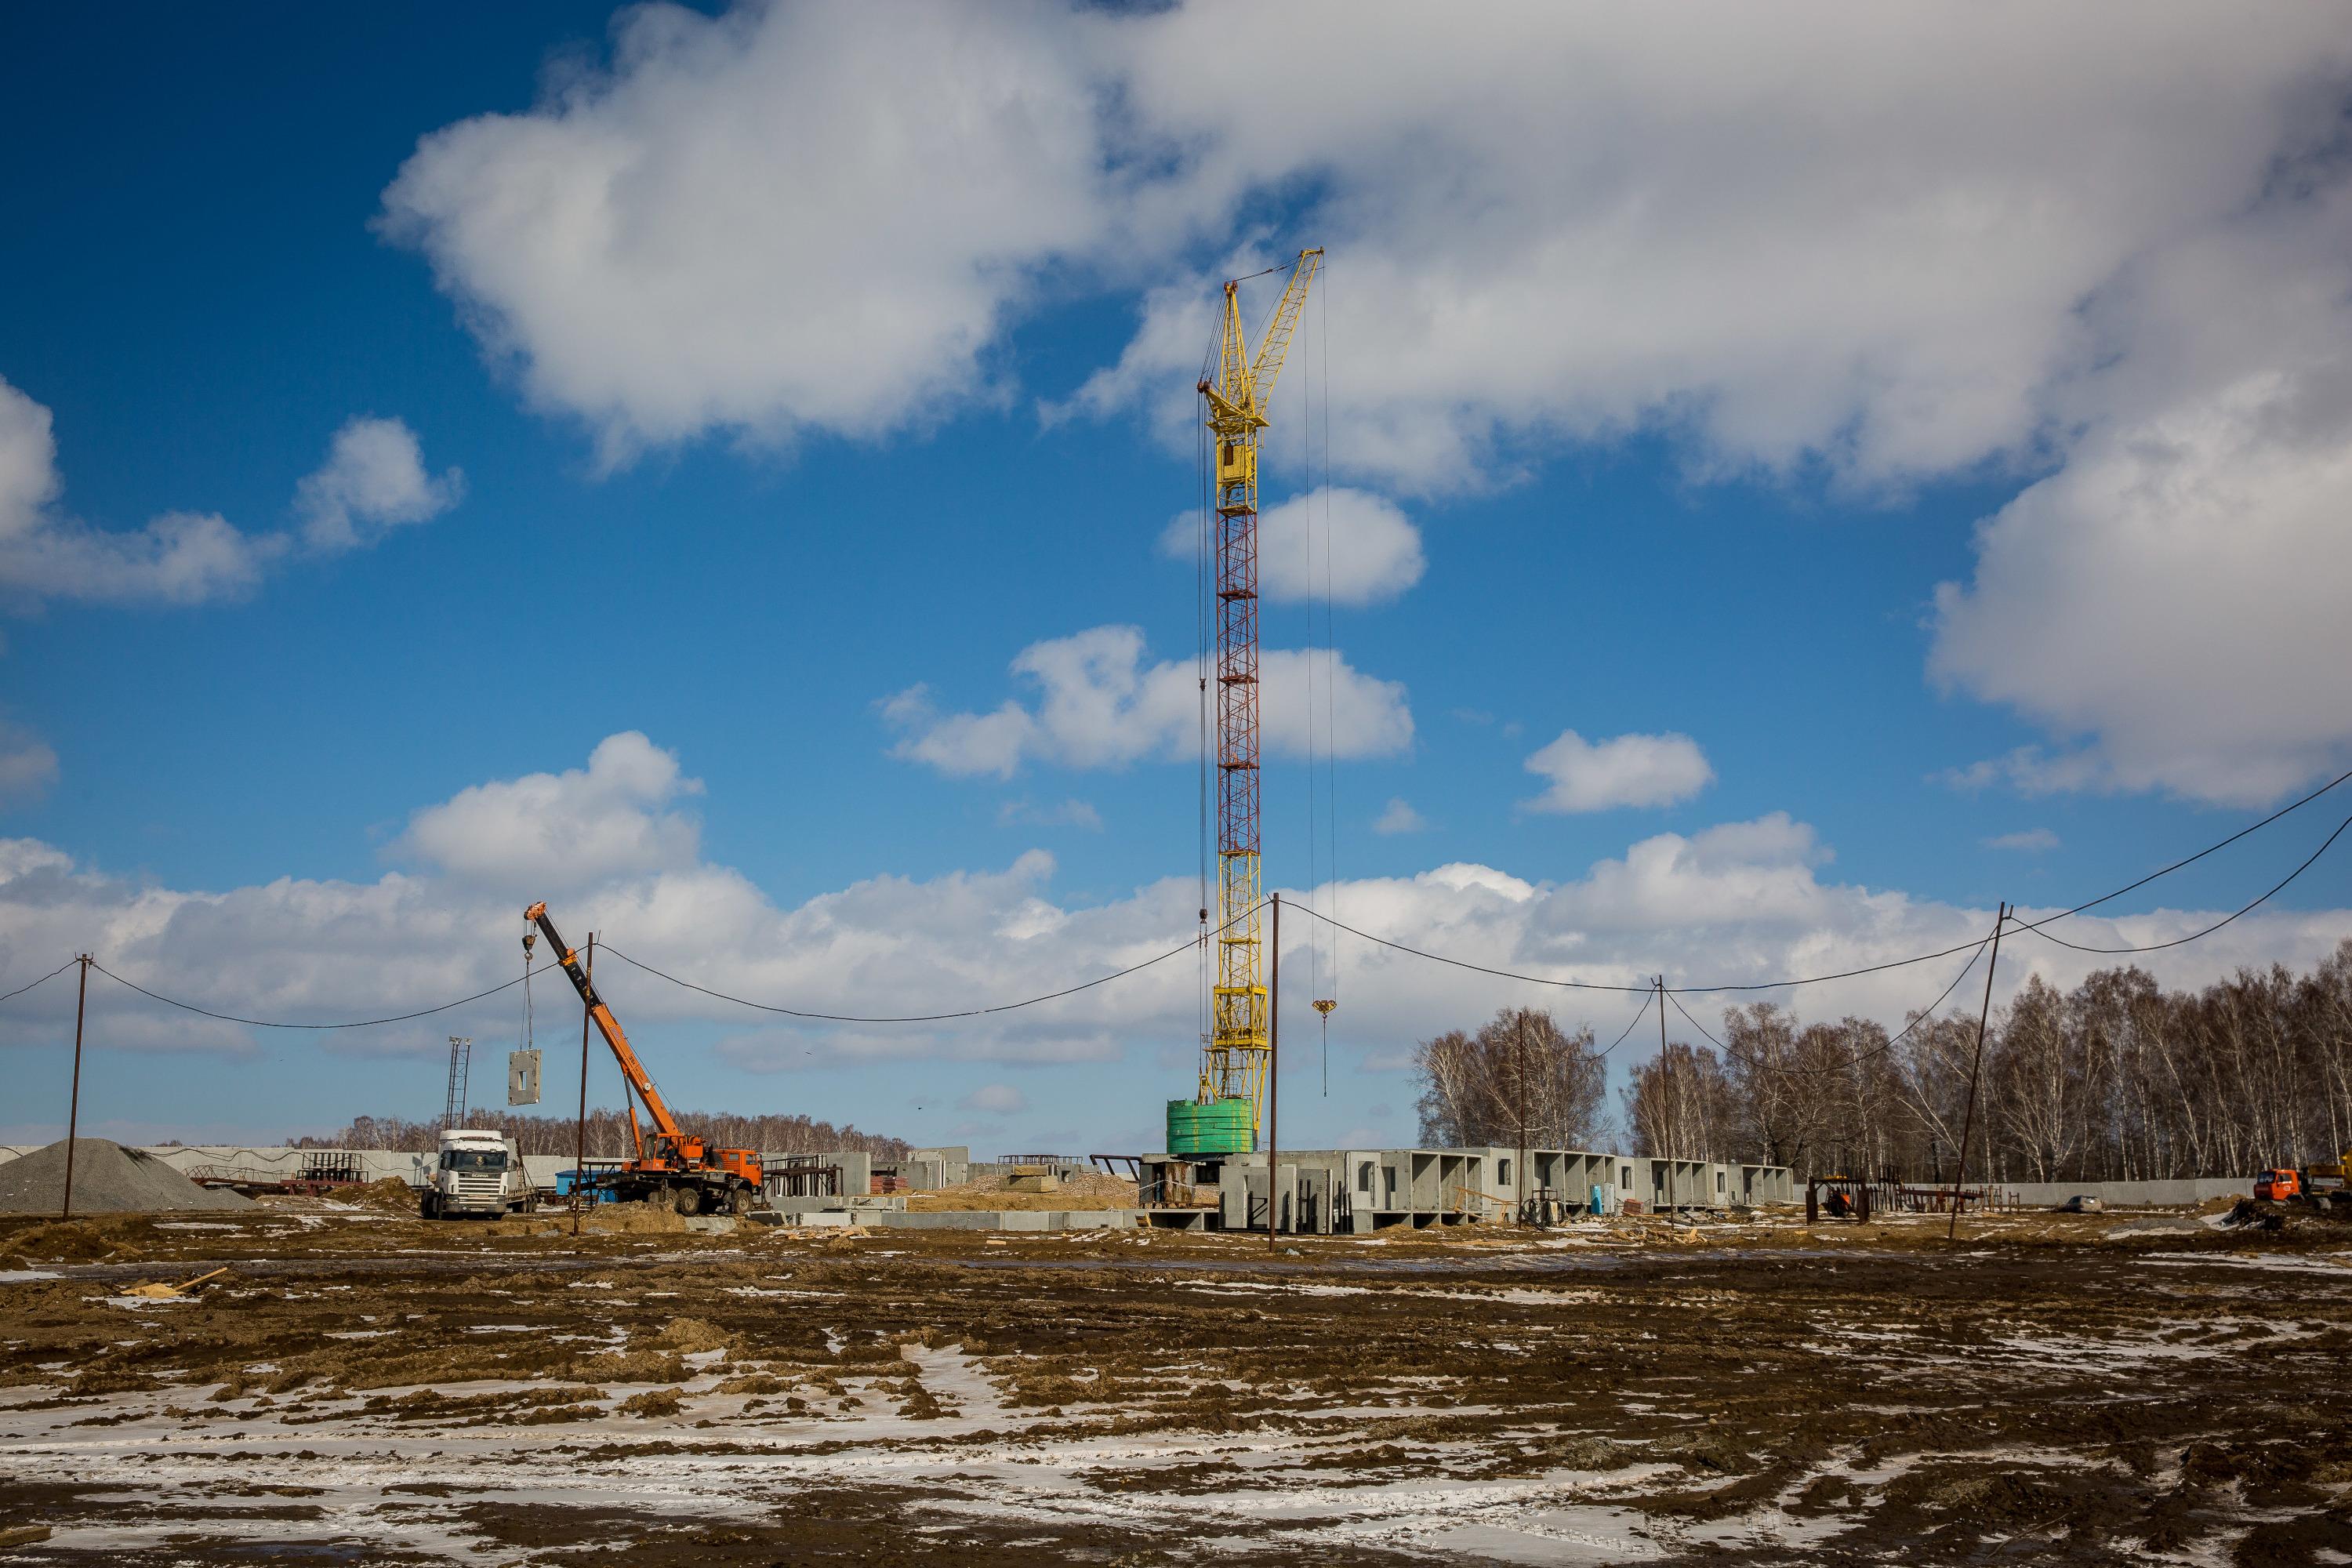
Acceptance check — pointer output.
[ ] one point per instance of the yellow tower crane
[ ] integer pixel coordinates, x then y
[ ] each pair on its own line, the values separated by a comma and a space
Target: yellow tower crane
1226, 1119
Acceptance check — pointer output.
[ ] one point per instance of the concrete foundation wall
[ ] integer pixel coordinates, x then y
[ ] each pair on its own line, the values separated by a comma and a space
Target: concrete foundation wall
2127, 1194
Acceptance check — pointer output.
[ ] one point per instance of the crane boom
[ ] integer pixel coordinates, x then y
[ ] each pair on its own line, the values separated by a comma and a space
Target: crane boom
664, 1125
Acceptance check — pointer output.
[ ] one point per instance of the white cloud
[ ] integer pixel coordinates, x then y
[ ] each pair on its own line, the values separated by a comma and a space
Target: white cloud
1529, 219
1399, 817
1738, 902
1100, 704
2030, 841
996, 1099
1359, 546
374, 478
1630, 770
2132, 276
787, 217
2177, 594
810, 216
556, 831
29, 765
179, 558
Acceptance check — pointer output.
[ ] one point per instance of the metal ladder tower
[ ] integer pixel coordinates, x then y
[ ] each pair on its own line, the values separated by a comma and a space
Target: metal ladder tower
461, 1065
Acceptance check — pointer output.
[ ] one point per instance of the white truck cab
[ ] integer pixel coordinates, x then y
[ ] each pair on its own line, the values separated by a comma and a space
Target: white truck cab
478, 1173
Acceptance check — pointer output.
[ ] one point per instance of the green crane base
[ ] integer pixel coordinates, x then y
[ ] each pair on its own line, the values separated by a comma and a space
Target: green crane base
1210, 1127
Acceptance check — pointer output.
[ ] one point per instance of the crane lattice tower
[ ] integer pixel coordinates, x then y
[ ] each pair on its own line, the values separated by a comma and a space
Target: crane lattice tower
1235, 1058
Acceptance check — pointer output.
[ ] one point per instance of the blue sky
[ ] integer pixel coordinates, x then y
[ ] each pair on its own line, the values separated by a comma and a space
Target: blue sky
714, 387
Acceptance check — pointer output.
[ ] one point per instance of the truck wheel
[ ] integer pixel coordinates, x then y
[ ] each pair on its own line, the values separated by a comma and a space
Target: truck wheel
739, 1200
430, 1207
687, 1199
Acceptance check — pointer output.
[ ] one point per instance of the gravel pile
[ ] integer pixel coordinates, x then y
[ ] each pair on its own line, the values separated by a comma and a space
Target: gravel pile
108, 1179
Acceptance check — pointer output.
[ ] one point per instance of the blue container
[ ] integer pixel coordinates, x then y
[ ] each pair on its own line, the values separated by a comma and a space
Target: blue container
565, 1180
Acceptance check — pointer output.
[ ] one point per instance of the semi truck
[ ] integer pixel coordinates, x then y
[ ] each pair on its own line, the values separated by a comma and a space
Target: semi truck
478, 1173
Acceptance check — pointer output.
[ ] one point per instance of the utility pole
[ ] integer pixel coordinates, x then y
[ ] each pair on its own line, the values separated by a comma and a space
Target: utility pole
73, 1102
1967, 1120
1274, 1078
580, 1158
1667, 1078
1520, 1062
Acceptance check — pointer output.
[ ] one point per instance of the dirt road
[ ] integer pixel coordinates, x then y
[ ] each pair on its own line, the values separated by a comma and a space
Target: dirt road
362, 1388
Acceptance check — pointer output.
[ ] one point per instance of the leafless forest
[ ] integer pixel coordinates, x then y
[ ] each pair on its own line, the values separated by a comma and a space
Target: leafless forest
2116, 1079
608, 1133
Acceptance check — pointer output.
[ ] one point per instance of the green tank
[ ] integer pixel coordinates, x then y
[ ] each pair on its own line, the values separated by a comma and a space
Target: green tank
1210, 1127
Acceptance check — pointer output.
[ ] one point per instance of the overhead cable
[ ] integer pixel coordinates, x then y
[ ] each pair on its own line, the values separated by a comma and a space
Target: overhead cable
1860, 1057
28, 985
274, 1023
2192, 859
923, 1017
2208, 930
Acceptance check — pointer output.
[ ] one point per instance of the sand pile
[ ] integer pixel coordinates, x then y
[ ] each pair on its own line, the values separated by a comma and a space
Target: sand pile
108, 1179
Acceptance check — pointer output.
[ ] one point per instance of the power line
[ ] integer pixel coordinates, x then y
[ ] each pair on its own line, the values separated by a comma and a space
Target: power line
2035, 926
1638, 1016
1630, 990
273, 1024
2177, 865
1916, 1019
924, 1018
2208, 930
1465, 963
28, 985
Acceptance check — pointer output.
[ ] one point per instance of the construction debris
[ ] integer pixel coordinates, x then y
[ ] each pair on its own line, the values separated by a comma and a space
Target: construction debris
160, 1291
107, 1179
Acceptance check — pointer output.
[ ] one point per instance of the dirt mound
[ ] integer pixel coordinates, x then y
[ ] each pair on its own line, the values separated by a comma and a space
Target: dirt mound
1084, 1192
391, 1195
107, 1179
634, 1219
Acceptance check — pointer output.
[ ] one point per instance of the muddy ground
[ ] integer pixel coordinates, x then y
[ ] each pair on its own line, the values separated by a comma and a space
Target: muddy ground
363, 1388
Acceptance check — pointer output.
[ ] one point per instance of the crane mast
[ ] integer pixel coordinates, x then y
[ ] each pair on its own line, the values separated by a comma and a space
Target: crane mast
1234, 1056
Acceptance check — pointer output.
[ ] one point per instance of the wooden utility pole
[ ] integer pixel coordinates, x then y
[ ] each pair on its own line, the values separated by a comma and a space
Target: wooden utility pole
1274, 1078
580, 1159
1975, 1066
73, 1101
1666, 1081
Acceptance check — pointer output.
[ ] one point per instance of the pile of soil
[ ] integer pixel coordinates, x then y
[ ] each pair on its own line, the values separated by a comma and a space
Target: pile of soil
1084, 1192
107, 1179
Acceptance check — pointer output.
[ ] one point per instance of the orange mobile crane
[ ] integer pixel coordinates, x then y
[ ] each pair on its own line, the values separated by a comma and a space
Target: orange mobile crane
671, 1166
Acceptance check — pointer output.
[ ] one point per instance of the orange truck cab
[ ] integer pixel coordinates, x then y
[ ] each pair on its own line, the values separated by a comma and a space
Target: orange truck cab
2273, 1185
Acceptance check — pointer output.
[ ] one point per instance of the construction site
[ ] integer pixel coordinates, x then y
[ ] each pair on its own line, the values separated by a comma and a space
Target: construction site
2042, 1274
